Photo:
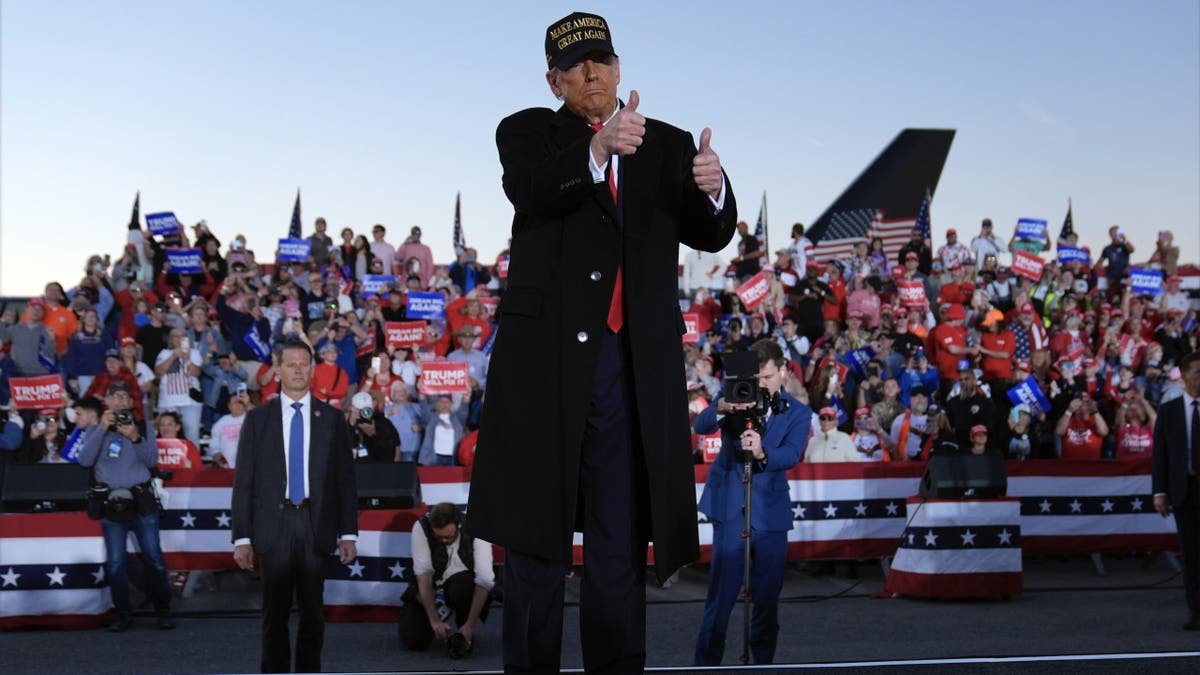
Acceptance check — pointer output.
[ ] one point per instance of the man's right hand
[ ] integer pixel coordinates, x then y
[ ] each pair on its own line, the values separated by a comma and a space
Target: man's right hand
1161, 505
726, 408
623, 133
441, 629
243, 555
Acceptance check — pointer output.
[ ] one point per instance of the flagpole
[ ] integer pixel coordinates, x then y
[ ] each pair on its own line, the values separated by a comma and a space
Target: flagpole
766, 228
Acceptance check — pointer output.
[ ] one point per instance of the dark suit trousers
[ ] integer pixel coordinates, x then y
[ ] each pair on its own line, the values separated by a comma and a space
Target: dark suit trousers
768, 559
1187, 523
292, 567
612, 499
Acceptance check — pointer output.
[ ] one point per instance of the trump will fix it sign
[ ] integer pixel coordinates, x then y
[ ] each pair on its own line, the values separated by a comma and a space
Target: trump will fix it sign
35, 393
444, 377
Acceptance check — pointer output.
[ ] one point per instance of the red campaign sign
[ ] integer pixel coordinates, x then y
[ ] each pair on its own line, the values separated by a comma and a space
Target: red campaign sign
502, 267
710, 447
1028, 265
840, 368
692, 321
490, 304
35, 393
444, 377
173, 454
898, 271
753, 291
405, 334
912, 293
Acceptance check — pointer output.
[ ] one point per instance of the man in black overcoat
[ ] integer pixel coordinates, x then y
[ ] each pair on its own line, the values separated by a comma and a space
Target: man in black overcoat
1176, 466
585, 423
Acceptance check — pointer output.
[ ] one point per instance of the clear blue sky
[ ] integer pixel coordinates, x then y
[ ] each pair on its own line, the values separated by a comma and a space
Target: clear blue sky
381, 111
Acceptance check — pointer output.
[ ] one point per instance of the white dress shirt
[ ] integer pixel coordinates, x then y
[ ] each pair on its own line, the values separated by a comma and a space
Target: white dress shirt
422, 559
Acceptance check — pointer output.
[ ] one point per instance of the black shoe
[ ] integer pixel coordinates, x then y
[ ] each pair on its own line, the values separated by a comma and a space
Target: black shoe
1193, 622
165, 623
122, 624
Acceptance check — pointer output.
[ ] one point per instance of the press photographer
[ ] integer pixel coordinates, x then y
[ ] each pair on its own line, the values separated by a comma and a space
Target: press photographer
451, 575
122, 452
756, 418
378, 440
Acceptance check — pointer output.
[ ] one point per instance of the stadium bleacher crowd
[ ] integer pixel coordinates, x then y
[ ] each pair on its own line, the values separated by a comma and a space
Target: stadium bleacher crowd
902, 354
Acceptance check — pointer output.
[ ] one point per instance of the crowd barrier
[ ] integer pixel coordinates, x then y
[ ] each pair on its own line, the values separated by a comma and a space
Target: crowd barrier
51, 564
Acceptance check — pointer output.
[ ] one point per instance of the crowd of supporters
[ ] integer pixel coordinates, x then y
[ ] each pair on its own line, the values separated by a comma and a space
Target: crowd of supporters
888, 378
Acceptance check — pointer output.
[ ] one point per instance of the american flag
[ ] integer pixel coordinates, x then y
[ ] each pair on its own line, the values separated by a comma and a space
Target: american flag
294, 228
135, 221
847, 228
760, 230
1068, 227
922, 222
460, 243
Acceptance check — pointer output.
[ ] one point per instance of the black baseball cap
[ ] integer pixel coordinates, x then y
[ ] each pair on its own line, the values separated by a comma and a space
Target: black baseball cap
118, 385
575, 35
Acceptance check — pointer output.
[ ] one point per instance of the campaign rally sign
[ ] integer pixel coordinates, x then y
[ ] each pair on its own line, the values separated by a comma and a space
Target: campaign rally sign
294, 250
70, 449
1070, 254
185, 260
35, 393
1031, 229
162, 223
858, 360
262, 350
840, 369
1146, 282
1029, 393
425, 305
502, 267
1028, 265
173, 455
912, 293
376, 284
444, 377
490, 304
405, 334
691, 322
710, 447
753, 291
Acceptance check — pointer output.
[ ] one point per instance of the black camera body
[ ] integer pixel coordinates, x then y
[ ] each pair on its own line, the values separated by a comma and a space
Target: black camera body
122, 417
457, 646
365, 415
741, 386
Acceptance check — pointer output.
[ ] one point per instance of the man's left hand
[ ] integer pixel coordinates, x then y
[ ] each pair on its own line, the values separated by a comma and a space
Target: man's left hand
468, 632
347, 551
706, 167
752, 443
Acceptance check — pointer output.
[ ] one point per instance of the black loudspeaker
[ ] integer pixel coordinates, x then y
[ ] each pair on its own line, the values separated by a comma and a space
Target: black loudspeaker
387, 485
45, 487
964, 476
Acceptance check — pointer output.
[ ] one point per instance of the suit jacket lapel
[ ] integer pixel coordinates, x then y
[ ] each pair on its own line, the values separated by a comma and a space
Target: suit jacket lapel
318, 449
569, 128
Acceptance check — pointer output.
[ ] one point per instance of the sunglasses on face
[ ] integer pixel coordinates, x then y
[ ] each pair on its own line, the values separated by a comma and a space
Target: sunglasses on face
827, 418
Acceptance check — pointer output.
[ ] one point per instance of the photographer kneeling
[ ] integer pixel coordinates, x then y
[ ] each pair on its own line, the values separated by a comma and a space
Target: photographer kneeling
122, 453
775, 443
451, 574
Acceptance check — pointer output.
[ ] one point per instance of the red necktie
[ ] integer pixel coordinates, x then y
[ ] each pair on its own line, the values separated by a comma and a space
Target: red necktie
616, 307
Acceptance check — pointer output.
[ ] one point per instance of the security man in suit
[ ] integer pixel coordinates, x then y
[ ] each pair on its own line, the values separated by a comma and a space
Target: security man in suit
775, 451
294, 496
1175, 470
585, 422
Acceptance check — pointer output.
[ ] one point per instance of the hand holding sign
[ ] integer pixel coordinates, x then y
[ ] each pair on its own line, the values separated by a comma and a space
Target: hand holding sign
706, 167
622, 135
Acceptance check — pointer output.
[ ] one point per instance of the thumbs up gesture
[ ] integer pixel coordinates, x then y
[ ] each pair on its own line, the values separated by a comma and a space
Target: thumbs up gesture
622, 135
706, 167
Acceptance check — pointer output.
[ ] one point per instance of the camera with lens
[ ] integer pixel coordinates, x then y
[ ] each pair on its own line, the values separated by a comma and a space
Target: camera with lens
122, 417
365, 415
457, 646
741, 386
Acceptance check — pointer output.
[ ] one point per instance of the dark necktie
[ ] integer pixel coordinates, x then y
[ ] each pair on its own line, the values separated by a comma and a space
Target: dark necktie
616, 306
296, 457
1195, 435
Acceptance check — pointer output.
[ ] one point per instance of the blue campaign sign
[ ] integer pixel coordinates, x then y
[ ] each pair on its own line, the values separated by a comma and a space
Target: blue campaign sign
858, 360
1029, 393
423, 305
294, 250
70, 449
162, 223
261, 349
378, 284
1067, 254
185, 260
1032, 229
486, 349
1146, 282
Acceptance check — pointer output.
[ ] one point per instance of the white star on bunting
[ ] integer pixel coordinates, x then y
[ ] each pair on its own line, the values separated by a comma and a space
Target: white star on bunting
397, 570
1005, 536
1076, 507
56, 577
99, 574
1107, 506
892, 509
968, 538
799, 511
1045, 505
930, 538
860, 510
223, 520
188, 519
10, 579
356, 569
1136, 504
830, 511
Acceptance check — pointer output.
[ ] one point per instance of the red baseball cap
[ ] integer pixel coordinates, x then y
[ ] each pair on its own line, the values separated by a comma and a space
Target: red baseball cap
1023, 365
37, 302
979, 429
911, 255
955, 313
47, 412
1027, 308
812, 264
828, 411
128, 341
951, 231
863, 412
1173, 278
855, 314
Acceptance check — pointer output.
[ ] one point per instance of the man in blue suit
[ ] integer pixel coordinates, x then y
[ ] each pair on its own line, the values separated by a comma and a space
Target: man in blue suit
778, 449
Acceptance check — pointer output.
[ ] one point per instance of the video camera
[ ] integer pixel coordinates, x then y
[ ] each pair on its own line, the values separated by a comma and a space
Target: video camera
741, 386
